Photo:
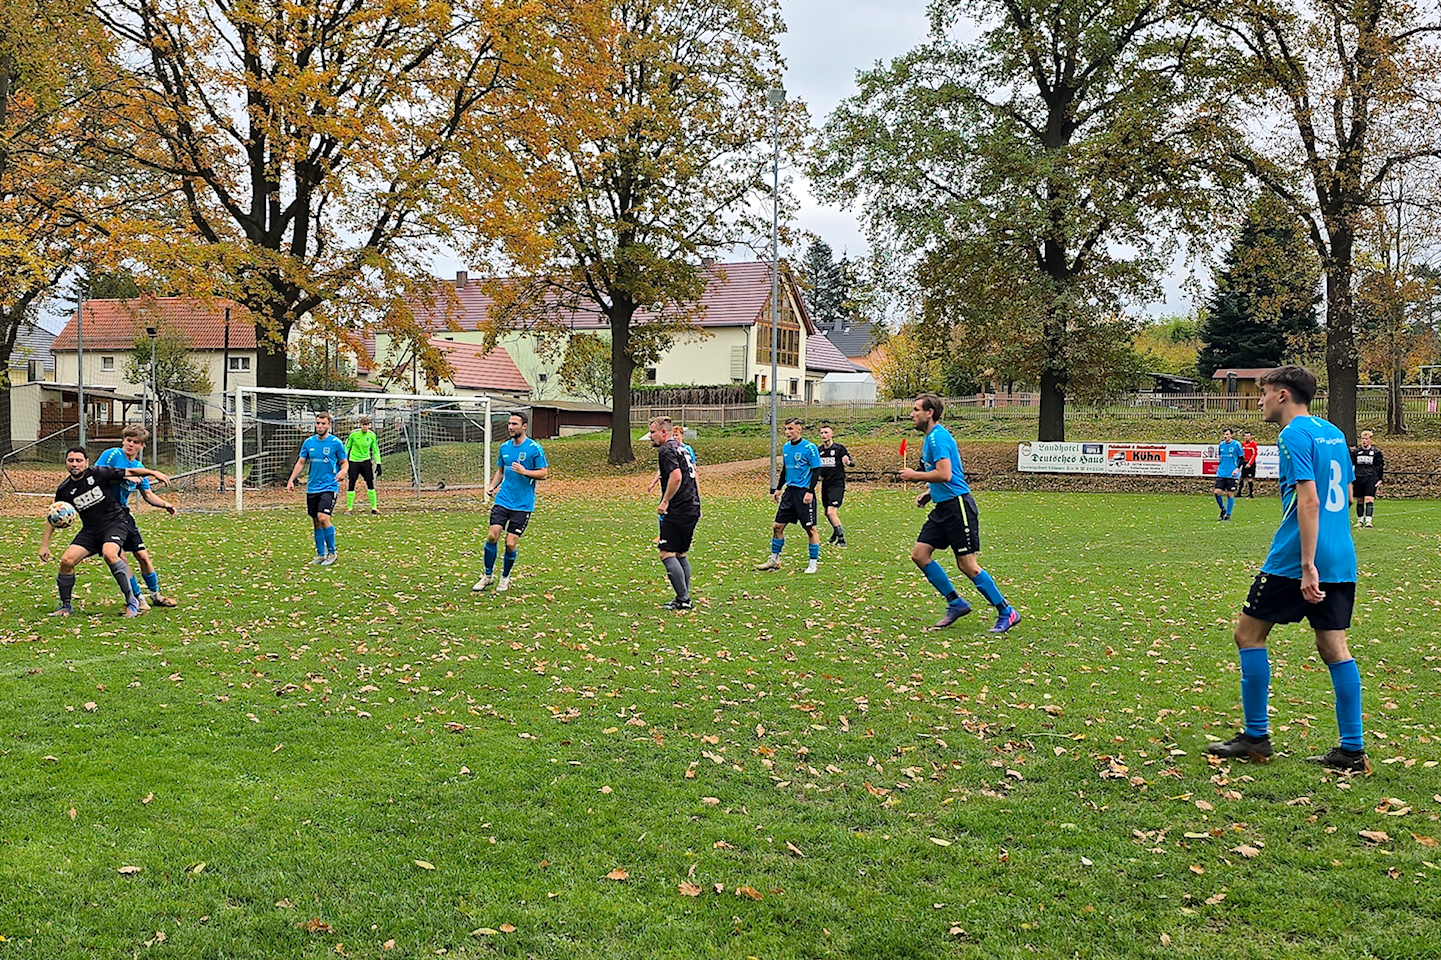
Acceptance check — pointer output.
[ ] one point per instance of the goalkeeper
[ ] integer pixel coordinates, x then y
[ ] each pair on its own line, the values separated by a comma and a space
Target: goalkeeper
362, 449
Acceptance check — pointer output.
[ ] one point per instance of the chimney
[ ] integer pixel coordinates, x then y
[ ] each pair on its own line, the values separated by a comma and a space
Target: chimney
707, 261
462, 277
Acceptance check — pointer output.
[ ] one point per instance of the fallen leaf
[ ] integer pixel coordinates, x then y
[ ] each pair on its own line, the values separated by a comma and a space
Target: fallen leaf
688, 889
875, 791
73, 814
1165, 940
1203, 805
1197, 869
1246, 850
941, 842
147, 798
424, 864
795, 850
198, 868
1424, 841
751, 892
507, 928
1198, 836
721, 845
1213, 900
316, 925
710, 801
605, 790
388, 945
619, 873
484, 932
1375, 836
1087, 862
285, 904
90, 706
127, 870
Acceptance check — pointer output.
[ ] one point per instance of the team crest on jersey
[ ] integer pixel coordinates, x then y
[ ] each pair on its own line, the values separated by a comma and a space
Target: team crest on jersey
90, 481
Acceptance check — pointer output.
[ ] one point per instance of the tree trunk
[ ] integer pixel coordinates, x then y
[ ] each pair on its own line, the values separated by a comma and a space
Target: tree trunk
1053, 408
622, 367
1395, 410
1342, 362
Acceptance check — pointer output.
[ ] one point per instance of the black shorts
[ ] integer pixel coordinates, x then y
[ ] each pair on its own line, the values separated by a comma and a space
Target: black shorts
1248, 471
953, 523
1226, 483
361, 471
677, 533
320, 503
134, 542
833, 493
512, 521
1278, 600
794, 509
1366, 488
94, 536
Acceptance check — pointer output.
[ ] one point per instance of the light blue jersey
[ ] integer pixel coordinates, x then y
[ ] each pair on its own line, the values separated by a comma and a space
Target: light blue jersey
1311, 449
940, 445
122, 489
690, 452
325, 457
1230, 452
802, 460
517, 492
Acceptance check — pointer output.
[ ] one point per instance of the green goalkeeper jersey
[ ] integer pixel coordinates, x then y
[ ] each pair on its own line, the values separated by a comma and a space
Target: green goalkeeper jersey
362, 445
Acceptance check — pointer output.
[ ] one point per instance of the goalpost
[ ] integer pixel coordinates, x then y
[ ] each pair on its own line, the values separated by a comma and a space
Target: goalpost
427, 441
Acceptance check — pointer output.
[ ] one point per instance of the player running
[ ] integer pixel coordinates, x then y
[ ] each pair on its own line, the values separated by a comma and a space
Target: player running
362, 450
834, 460
102, 526
954, 521
326, 456
1310, 573
795, 500
1227, 472
1369, 464
520, 464
679, 509
132, 444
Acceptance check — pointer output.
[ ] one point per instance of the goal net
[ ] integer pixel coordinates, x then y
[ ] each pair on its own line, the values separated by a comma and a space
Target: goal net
431, 446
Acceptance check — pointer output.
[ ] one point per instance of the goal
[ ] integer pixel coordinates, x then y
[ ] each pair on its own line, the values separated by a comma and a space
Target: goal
432, 446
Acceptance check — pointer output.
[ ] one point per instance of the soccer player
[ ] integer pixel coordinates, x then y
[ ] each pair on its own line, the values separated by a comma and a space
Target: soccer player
1249, 452
519, 466
1310, 573
326, 456
954, 521
1369, 464
834, 460
132, 443
102, 526
1227, 472
679, 434
796, 500
362, 450
679, 510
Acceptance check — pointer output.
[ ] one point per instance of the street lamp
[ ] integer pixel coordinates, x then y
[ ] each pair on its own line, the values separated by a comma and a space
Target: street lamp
152, 333
776, 98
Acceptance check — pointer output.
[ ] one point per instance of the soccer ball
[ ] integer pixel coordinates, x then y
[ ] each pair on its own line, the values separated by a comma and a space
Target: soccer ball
60, 515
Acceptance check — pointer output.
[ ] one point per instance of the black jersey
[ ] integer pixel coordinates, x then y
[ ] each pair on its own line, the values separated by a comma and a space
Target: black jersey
833, 463
87, 493
686, 501
1369, 462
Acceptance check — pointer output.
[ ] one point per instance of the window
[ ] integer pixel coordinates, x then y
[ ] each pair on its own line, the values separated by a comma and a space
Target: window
239, 364
761, 380
795, 385
788, 337
544, 377
33, 371
107, 363
650, 374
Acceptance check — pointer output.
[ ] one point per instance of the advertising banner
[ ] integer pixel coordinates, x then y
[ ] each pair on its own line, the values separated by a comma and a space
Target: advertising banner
1135, 459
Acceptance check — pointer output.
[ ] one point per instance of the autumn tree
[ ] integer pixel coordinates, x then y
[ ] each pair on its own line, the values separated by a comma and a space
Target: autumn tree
1033, 180
51, 60
1265, 295
1355, 85
667, 173
318, 147
164, 364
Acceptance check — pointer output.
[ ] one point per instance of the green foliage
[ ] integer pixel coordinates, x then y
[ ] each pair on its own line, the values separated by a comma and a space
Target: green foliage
314, 365
173, 368
1027, 196
1170, 346
586, 369
1266, 294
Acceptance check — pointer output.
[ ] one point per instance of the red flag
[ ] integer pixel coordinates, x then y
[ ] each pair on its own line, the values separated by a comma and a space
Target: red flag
903, 446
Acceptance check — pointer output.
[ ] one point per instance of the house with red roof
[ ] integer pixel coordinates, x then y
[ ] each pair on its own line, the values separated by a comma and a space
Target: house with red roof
731, 342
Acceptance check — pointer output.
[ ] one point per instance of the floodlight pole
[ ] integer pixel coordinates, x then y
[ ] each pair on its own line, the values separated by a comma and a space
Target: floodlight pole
152, 406
776, 97
80, 354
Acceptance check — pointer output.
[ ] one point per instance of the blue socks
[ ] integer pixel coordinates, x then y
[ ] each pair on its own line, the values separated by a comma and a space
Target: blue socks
815, 553
490, 551
777, 545
135, 585
989, 590
1255, 689
509, 562
936, 574
330, 539
1230, 505
319, 541
152, 582
1346, 681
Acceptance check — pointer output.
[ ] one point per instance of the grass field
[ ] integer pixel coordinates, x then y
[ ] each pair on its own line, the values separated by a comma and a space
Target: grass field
368, 761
